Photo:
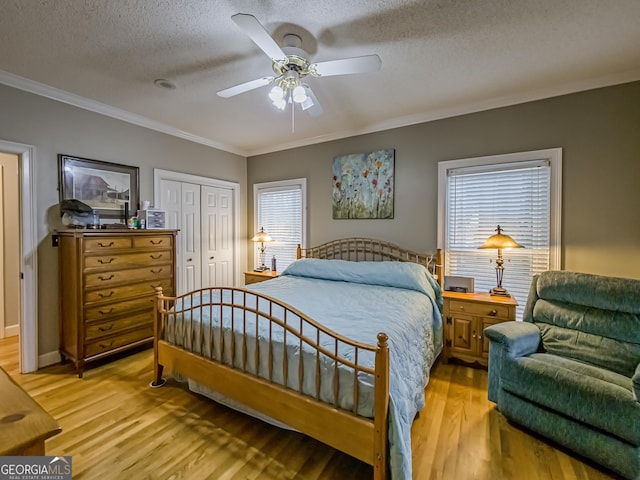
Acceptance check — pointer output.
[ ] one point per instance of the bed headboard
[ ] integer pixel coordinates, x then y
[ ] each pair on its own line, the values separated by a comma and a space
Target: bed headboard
370, 250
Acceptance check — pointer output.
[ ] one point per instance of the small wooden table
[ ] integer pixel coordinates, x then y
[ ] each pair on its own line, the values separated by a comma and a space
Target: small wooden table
254, 277
24, 424
466, 315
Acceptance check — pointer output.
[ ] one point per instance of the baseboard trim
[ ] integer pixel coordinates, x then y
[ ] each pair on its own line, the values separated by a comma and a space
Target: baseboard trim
50, 358
12, 331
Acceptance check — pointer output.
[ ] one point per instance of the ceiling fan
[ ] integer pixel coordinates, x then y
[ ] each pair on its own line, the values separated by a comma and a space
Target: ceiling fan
291, 66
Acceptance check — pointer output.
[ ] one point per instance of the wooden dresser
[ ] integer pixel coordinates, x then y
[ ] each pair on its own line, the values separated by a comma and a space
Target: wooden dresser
107, 289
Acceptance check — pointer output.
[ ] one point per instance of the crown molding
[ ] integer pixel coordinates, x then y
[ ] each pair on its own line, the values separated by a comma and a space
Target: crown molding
53, 93
484, 105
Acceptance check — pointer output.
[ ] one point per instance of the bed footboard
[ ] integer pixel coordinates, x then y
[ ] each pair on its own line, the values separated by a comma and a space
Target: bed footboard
274, 359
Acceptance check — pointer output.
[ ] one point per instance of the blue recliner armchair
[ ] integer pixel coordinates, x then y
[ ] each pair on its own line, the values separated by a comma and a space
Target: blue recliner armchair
571, 370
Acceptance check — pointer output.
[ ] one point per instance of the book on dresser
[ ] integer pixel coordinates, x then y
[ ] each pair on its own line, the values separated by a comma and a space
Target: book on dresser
107, 289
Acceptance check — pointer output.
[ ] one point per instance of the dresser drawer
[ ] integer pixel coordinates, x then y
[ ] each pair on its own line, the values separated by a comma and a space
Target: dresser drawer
94, 331
114, 309
160, 241
113, 294
474, 308
111, 343
127, 260
106, 244
107, 278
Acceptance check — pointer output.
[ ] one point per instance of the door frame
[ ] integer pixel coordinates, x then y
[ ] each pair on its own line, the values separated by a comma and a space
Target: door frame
159, 175
28, 358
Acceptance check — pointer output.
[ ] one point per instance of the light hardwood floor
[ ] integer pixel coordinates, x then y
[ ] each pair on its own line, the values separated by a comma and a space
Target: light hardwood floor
116, 427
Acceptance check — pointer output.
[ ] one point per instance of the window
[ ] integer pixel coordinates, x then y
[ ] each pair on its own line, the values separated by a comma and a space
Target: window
280, 208
521, 193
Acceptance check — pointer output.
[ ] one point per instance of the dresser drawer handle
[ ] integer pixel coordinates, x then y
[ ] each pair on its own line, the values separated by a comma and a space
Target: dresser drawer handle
105, 262
156, 257
102, 295
153, 242
104, 279
106, 329
105, 313
493, 313
106, 345
155, 272
105, 245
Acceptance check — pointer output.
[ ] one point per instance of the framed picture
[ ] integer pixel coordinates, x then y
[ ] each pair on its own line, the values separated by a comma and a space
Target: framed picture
363, 185
104, 186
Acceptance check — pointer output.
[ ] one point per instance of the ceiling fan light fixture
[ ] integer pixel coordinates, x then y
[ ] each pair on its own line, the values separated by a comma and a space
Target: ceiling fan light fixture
307, 103
280, 104
299, 94
276, 93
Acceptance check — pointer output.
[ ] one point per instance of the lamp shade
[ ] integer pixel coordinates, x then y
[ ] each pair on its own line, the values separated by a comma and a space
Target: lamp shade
500, 240
261, 236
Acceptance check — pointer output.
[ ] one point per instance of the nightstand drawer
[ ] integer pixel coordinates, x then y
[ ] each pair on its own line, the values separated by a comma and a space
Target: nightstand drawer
482, 309
255, 277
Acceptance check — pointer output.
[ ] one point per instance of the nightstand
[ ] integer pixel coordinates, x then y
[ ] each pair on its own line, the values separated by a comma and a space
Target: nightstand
255, 277
466, 315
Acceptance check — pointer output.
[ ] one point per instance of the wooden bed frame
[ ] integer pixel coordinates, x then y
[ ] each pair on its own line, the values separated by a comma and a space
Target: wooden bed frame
358, 436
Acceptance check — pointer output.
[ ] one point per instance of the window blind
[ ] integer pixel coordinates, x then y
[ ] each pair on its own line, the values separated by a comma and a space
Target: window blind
515, 196
280, 213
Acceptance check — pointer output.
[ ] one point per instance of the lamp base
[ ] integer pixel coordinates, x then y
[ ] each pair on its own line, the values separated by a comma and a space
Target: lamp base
261, 268
499, 292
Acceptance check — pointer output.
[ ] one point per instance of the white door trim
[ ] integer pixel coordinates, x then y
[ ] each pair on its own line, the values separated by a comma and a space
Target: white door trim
159, 175
28, 255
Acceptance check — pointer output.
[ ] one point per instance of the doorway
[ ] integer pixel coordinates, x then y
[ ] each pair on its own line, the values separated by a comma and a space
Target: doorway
9, 245
26, 232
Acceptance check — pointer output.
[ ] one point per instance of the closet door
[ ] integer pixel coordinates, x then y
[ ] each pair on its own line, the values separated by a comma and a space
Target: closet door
217, 237
190, 232
171, 203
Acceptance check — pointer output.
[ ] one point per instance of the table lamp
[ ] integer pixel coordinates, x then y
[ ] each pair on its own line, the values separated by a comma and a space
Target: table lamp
261, 237
500, 241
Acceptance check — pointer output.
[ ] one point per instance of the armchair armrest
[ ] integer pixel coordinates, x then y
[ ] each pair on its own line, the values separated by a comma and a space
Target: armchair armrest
508, 340
636, 384
516, 338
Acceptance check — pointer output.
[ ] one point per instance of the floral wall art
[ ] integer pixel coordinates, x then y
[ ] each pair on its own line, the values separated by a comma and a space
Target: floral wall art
363, 185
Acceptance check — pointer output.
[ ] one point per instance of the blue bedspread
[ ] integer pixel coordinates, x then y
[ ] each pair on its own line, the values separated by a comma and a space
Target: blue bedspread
359, 300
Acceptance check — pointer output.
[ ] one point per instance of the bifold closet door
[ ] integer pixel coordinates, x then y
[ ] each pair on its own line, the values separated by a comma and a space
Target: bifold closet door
217, 236
181, 201
191, 237
205, 243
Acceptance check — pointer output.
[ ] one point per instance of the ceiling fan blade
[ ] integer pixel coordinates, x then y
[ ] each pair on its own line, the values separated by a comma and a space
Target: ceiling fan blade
345, 66
256, 32
311, 105
245, 87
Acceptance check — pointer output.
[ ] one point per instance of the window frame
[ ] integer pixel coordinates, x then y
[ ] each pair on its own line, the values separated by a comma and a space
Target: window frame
553, 155
294, 183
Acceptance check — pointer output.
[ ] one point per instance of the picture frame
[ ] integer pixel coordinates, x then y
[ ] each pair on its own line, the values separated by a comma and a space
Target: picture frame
363, 185
106, 187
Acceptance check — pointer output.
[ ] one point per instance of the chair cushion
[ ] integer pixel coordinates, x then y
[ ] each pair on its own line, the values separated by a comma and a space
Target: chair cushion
609, 339
586, 393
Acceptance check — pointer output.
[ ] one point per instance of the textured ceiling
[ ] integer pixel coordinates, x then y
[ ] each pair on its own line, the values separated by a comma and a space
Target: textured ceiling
439, 58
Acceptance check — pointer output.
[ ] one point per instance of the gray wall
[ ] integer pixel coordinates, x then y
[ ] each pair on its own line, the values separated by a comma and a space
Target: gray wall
53, 128
599, 131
